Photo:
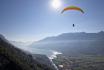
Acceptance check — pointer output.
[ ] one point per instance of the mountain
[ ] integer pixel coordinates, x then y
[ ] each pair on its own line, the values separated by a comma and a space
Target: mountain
75, 36
12, 58
20, 44
80, 43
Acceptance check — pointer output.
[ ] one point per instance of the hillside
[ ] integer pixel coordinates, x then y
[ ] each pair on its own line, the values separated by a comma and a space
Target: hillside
12, 58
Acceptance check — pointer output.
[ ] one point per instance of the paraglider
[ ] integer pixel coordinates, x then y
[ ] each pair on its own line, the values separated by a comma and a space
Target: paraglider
72, 8
73, 25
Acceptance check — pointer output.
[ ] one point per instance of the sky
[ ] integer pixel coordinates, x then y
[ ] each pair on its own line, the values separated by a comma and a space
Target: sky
33, 20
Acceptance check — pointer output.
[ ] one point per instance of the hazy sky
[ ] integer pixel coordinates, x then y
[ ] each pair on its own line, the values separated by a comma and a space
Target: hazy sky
31, 20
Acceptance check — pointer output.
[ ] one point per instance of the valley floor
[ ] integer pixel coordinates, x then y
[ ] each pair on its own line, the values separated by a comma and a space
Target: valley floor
87, 62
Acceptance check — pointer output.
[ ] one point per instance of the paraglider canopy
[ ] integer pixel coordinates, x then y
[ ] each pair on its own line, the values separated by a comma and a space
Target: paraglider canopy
72, 8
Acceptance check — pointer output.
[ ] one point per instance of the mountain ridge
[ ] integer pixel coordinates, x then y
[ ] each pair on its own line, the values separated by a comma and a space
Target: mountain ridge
74, 43
74, 36
21, 60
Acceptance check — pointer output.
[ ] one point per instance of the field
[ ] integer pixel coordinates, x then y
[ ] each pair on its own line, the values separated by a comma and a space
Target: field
86, 62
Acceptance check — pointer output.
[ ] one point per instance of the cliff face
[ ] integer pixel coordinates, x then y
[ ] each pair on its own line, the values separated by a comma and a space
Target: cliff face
12, 58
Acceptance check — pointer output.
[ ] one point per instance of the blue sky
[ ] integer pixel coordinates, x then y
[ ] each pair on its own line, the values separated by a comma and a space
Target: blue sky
32, 20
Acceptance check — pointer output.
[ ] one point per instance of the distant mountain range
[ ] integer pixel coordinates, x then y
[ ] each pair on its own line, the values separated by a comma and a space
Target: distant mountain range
74, 43
20, 44
75, 36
